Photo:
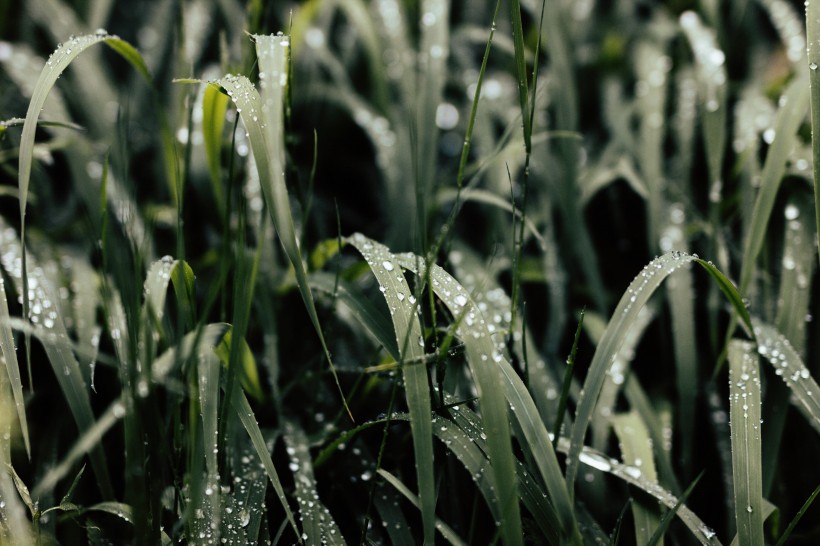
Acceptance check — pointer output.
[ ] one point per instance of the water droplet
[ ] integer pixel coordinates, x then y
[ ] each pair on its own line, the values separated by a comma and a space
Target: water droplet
388, 266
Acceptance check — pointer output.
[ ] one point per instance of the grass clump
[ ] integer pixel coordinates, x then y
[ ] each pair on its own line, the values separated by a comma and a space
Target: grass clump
310, 273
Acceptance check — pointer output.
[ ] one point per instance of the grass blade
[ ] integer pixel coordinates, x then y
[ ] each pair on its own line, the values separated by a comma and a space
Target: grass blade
403, 312
747, 468
790, 367
318, 525
793, 523
491, 369
442, 527
264, 121
9, 354
635, 297
636, 449
789, 117
56, 64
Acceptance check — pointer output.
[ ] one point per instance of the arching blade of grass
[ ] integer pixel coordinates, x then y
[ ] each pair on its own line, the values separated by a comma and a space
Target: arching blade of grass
790, 115
491, 371
488, 198
813, 53
635, 297
747, 469
790, 367
631, 475
264, 121
9, 353
442, 527
409, 339
636, 449
317, 523
56, 64
617, 331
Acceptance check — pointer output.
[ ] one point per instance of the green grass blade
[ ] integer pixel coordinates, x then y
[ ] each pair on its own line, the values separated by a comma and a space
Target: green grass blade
636, 449
214, 106
433, 54
813, 53
246, 416
712, 79
56, 64
263, 118
747, 468
667, 517
521, 72
386, 502
797, 517
442, 527
491, 371
730, 291
317, 523
12, 367
789, 117
635, 297
403, 312
790, 367
632, 475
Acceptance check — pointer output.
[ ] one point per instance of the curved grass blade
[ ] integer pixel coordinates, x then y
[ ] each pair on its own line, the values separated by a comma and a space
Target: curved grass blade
477, 195
636, 449
9, 353
793, 523
442, 527
409, 339
263, 119
667, 517
747, 468
789, 117
246, 416
491, 370
635, 297
633, 476
55, 65
318, 526
787, 364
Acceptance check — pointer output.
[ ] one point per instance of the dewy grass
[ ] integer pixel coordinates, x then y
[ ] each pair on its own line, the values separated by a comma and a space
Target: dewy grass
157, 267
